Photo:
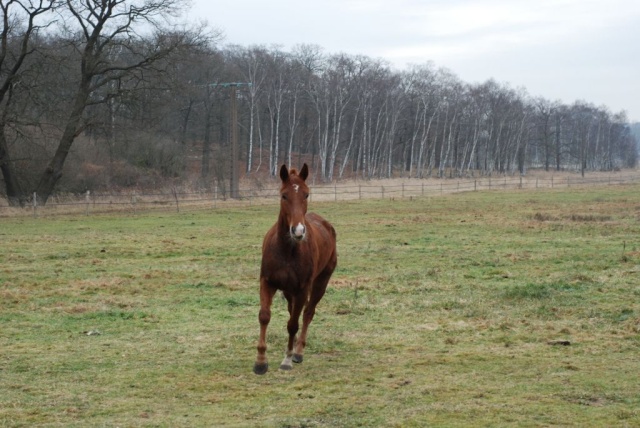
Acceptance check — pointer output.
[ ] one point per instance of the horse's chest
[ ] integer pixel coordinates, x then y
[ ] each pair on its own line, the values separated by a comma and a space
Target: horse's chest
289, 274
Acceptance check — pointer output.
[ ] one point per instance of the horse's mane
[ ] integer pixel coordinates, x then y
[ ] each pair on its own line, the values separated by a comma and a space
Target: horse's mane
293, 171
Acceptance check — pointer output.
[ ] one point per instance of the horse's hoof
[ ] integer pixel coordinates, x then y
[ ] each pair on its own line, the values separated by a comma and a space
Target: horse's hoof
286, 367
297, 358
260, 369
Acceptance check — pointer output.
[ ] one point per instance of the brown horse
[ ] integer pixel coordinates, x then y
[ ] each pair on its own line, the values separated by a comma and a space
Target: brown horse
298, 257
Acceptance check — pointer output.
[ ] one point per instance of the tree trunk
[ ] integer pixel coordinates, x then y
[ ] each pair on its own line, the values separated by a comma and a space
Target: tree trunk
53, 172
15, 193
206, 148
557, 145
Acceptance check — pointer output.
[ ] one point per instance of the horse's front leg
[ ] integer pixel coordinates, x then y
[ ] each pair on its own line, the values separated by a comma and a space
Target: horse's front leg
266, 298
296, 303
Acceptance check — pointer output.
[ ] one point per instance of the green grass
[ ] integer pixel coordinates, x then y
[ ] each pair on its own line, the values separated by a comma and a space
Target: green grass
447, 311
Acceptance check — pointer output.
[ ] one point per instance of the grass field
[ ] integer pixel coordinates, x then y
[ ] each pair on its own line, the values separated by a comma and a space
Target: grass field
515, 308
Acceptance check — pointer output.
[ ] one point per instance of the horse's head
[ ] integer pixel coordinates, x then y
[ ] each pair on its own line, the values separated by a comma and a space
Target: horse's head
293, 200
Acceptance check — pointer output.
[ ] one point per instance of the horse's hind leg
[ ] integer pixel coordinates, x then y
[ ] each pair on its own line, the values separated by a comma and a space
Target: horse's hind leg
266, 297
296, 304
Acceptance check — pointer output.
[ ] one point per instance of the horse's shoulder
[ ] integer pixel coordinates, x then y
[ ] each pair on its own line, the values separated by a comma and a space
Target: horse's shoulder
319, 221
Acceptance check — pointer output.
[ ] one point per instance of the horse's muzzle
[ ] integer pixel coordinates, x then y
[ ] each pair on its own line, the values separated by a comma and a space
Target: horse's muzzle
298, 232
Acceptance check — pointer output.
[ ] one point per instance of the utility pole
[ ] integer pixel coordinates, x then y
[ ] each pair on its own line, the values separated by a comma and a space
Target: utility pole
233, 134
235, 180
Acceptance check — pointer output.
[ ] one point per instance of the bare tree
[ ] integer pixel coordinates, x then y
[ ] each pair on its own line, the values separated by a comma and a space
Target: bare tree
106, 27
22, 20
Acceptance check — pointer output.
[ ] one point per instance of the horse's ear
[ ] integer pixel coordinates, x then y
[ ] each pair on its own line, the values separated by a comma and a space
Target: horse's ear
284, 173
304, 172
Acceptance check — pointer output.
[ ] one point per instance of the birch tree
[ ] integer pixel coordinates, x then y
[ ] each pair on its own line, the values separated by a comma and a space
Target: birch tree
251, 64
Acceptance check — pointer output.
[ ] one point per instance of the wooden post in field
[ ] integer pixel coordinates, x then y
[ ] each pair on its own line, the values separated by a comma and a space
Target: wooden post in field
175, 196
335, 192
359, 191
234, 184
35, 205
382, 192
87, 201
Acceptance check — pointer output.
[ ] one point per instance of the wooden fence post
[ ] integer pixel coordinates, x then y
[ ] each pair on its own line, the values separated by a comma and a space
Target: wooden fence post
88, 201
175, 196
134, 202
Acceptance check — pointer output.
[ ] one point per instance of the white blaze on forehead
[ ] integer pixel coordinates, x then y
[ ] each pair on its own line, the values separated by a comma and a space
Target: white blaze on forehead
299, 230
296, 187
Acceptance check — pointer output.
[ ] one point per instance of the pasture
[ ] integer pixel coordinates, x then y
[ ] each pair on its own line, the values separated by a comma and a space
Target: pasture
512, 308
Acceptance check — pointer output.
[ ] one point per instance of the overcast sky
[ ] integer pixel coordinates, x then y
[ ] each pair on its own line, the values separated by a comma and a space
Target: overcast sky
563, 50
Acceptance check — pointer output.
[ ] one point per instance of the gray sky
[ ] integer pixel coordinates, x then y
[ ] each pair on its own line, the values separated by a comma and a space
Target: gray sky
563, 50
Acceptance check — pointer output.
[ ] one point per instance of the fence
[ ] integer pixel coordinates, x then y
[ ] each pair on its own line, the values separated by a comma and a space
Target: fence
176, 201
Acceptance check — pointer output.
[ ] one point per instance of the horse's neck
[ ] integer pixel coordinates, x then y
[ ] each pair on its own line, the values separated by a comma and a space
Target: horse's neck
284, 240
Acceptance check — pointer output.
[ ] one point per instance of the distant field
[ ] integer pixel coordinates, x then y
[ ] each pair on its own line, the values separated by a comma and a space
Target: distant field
516, 308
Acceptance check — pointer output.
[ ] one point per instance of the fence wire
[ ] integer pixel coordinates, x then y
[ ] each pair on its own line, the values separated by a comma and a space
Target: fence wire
177, 201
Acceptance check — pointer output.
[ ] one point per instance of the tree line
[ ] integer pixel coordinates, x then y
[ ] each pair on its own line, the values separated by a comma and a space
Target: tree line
114, 94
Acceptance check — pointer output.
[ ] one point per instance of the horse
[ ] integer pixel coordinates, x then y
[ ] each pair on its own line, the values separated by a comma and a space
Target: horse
298, 257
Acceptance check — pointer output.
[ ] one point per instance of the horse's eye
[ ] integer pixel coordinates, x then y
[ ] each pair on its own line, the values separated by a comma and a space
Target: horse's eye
284, 197
306, 196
